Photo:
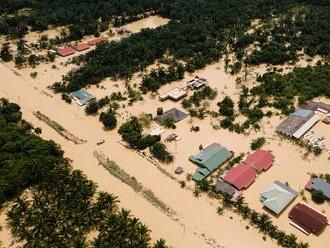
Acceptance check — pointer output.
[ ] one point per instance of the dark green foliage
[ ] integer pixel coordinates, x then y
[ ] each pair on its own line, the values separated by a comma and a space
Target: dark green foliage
5, 53
318, 197
66, 98
226, 107
258, 143
160, 111
108, 119
131, 132
306, 83
159, 151
63, 207
92, 107
206, 93
147, 141
156, 78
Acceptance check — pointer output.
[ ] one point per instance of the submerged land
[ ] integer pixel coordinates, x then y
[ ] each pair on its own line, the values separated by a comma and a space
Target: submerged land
173, 206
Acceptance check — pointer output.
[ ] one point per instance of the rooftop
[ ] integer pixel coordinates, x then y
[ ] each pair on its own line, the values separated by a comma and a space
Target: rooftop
210, 158
80, 47
223, 187
307, 219
174, 113
241, 176
319, 184
97, 40
65, 51
260, 160
175, 95
82, 97
277, 196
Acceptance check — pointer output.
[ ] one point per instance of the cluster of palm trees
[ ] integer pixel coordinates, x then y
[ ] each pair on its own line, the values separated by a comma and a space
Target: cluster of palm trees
59, 207
263, 223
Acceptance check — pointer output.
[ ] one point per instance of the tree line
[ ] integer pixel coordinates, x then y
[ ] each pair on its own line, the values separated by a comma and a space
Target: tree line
52, 204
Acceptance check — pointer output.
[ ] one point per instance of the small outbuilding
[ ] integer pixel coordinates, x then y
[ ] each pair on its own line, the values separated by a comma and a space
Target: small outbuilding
224, 188
175, 95
179, 170
307, 219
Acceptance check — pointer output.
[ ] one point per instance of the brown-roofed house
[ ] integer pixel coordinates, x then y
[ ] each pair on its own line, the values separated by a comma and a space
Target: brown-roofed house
307, 219
80, 47
65, 51
241, 176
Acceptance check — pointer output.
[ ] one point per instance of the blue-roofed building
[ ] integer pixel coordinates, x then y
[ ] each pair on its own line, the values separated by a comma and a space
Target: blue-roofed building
319, 184
209, 159
82, 97
304, 113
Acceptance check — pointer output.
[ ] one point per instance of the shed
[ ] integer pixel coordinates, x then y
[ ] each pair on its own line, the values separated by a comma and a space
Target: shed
307, 219
179, 170
224, 188
277, 196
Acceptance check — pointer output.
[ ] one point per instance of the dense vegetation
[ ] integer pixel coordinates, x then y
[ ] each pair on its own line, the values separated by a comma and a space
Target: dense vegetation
61, 206
306, 83
202, 32
84, 17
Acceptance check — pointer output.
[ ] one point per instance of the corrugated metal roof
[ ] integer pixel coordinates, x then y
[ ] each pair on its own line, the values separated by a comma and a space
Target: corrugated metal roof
321, 185
277, 196
303, 113
241, 176
260, 160
305, 127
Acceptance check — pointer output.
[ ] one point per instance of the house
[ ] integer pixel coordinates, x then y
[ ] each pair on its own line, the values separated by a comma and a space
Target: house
260, 160
209, 159
65, 51
277, 196
175, 95
298, 123
80, 47
307, 219
174, 113
97, 40
241, 176
82, 97
319, 184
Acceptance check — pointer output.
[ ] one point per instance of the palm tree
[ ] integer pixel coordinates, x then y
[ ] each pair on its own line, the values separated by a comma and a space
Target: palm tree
160, 244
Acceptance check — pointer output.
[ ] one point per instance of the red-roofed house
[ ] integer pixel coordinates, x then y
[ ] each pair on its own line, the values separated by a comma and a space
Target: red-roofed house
241, 176
307, 219
80, 47
97, 40
260, 160
65, 51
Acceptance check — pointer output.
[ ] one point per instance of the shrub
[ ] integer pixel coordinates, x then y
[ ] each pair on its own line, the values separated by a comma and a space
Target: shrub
160, 152
258, 143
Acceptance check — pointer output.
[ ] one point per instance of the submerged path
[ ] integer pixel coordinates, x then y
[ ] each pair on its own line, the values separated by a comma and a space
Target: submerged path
197, 225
